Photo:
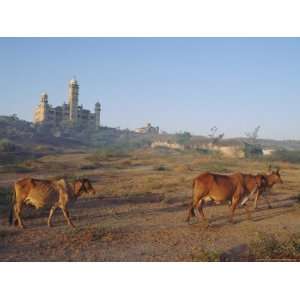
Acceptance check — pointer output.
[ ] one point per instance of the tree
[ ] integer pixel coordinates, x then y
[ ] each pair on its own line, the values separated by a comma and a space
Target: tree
216, 138
253, 135
253, 149
183, 138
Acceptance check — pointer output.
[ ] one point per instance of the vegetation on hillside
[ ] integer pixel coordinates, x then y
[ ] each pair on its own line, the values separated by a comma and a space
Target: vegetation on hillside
183, 138
286, 156
21, 140
8, 146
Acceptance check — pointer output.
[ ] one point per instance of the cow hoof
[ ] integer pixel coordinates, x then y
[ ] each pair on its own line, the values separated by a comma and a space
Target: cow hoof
187, 220
207, 225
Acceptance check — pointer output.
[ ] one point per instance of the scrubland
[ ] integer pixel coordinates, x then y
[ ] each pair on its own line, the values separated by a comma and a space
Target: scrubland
139, 210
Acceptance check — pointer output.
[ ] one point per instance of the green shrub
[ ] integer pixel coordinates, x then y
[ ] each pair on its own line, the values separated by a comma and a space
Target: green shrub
183, 138
253, 150
7, 146
286, 156
90, 167
160, 168
5, 195
204, 151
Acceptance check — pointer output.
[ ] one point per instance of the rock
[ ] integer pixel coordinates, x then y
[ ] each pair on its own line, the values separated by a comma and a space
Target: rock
237, 253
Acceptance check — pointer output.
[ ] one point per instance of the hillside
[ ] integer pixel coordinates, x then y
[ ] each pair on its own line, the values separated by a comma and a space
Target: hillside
26, 135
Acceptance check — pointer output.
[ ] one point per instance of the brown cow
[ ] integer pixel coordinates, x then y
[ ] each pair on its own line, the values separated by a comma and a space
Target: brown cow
219, 188
51, 193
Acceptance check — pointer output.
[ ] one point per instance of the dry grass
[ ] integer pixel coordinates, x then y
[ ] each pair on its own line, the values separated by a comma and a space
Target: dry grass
206, 256
127, 216
147, 171
141, 172
270, 247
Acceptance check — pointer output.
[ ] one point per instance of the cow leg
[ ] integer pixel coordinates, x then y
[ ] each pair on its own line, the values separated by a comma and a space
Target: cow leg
256, 199
67, 216
53, 208
269, 204
191, 212
196, 200
234, 204
200, 209
17, 209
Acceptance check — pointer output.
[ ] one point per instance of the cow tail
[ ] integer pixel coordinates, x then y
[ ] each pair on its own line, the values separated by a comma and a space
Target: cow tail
194, 183
12, 203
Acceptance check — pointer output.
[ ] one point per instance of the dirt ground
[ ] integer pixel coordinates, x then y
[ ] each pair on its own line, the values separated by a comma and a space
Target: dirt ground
139, 210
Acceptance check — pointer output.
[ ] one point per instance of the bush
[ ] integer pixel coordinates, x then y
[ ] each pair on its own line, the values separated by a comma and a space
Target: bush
269, 247
5, 194
7, 146
160, 168
90, 167
183, 138
286, 156
253, 150
204, 151
206, 256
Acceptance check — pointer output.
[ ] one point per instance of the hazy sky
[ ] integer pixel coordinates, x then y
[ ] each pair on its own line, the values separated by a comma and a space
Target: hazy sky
178, 84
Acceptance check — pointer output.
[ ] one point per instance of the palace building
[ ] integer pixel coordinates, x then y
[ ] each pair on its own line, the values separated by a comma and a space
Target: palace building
68, 113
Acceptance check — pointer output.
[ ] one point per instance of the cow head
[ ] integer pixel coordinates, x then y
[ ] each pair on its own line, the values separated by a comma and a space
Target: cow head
274, 176
261, 181
83, 186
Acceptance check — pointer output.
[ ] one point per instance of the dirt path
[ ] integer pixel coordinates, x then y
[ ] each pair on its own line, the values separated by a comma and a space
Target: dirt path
141, 229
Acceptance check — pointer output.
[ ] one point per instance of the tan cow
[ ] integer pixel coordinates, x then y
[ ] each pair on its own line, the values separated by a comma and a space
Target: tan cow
218, 188
47, 193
